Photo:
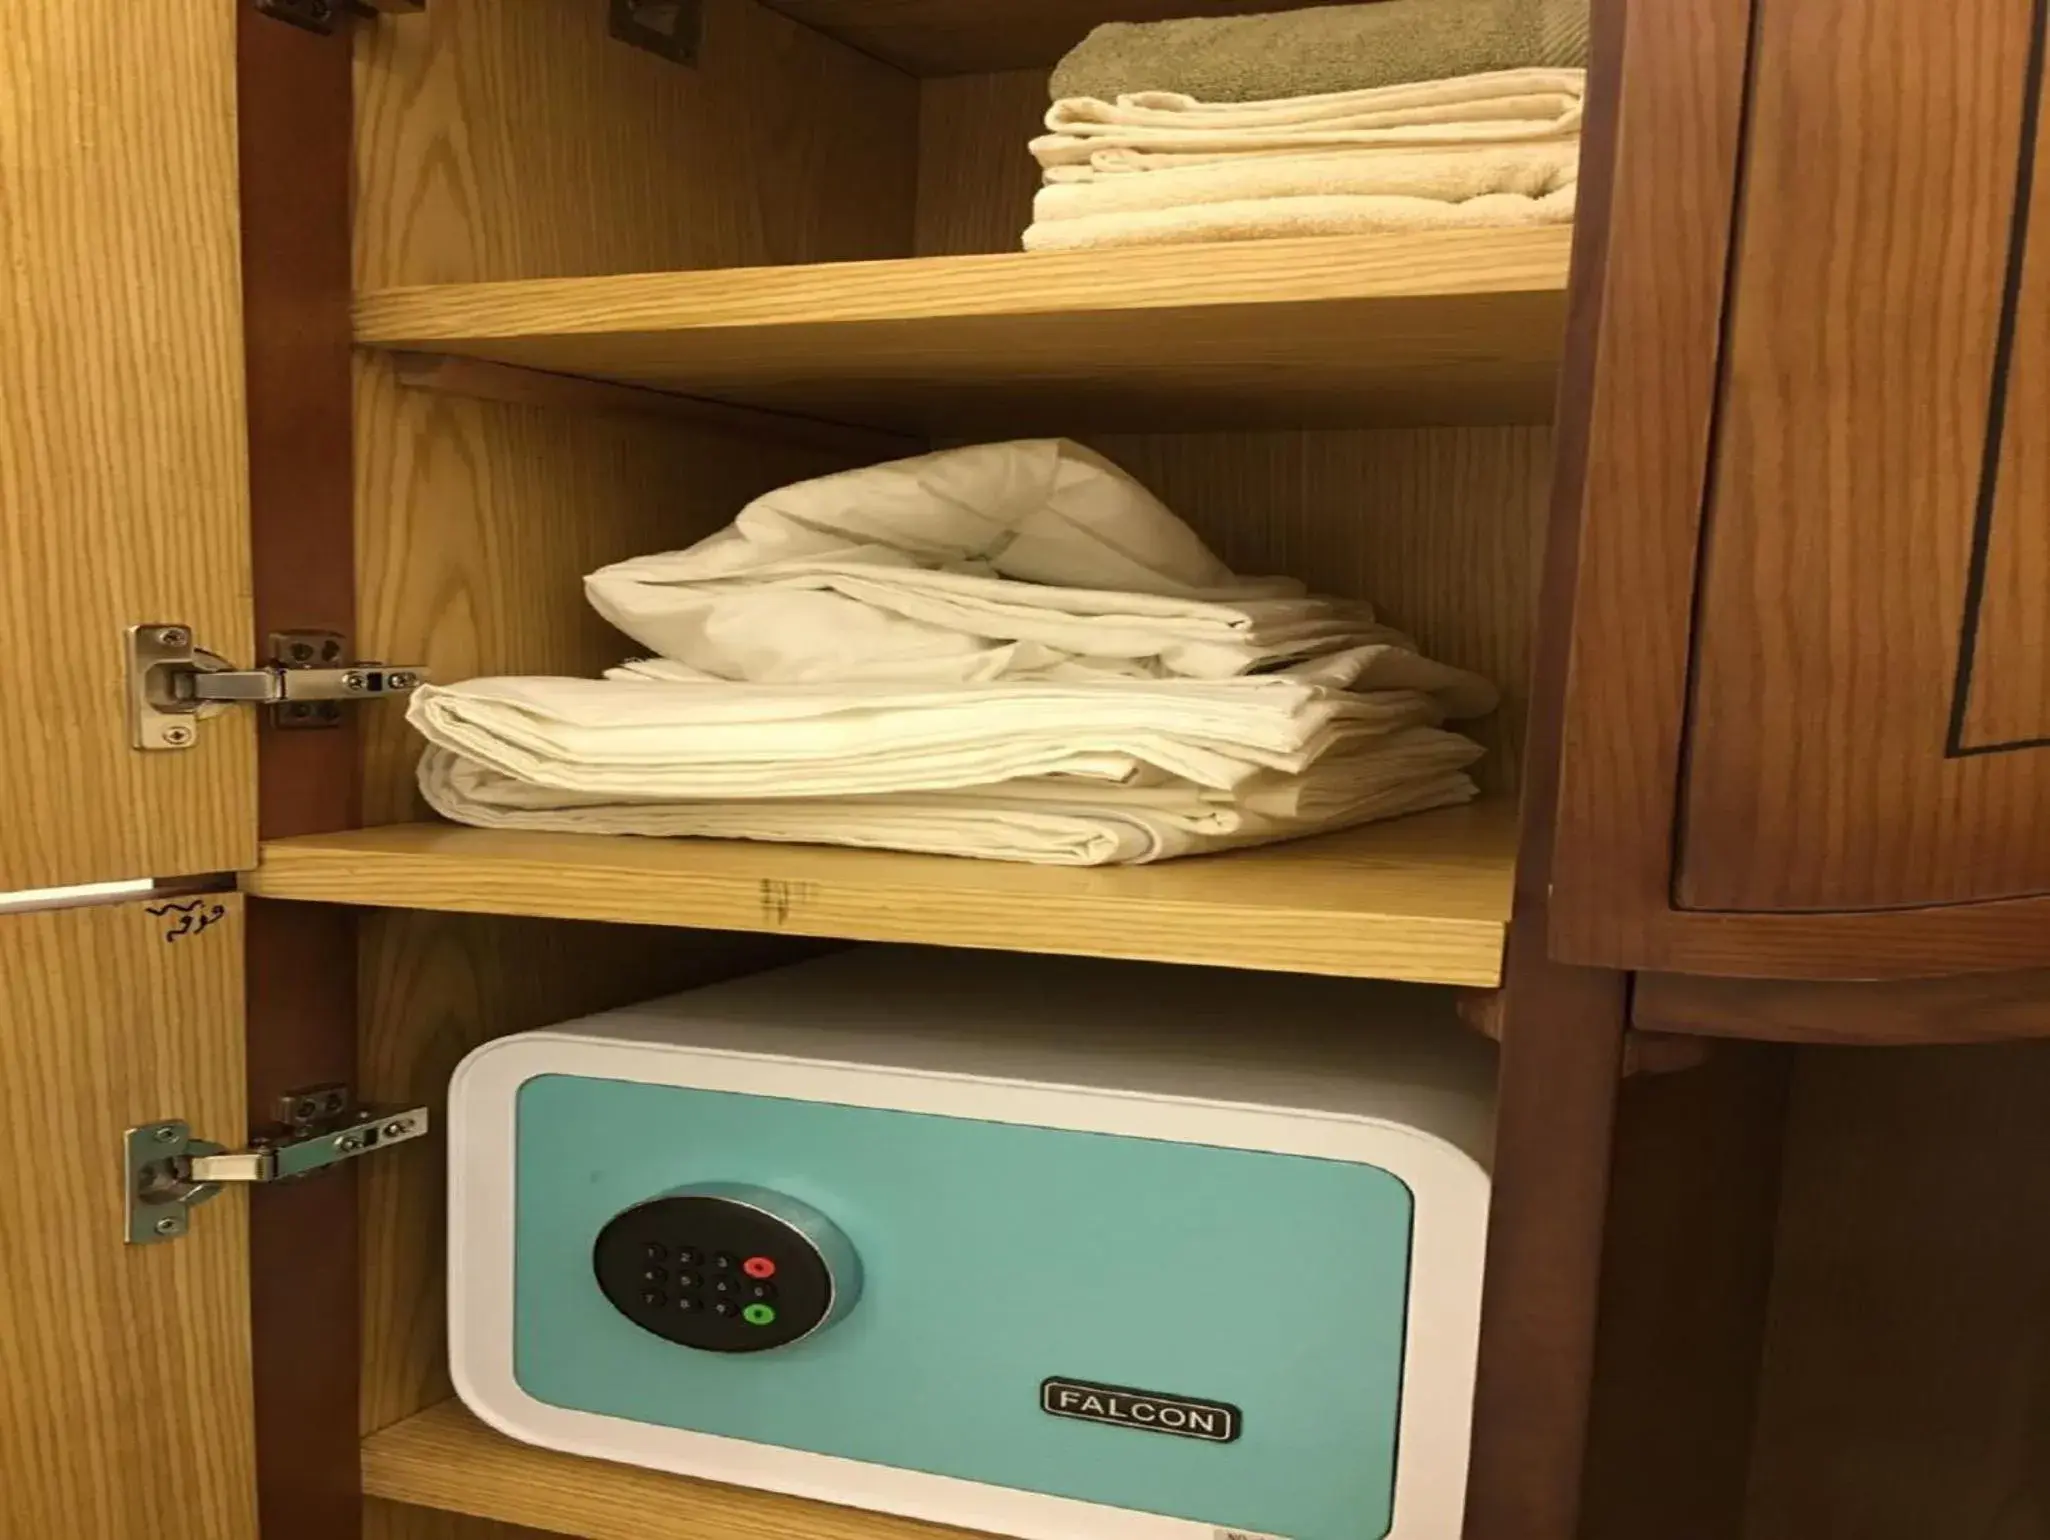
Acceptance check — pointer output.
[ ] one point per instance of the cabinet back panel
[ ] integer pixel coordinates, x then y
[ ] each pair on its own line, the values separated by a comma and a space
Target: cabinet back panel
1440, 527
516, 139
975, 175
476, 521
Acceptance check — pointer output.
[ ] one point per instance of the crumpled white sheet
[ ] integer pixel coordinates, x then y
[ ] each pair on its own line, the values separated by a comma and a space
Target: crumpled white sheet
1011, 651
997, 561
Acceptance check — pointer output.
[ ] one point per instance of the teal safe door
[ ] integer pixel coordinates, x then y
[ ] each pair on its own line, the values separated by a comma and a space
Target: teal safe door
995, 1257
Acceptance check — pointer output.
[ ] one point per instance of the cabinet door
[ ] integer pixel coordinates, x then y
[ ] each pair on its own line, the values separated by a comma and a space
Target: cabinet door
1803, 529
123, 474
124, 1370
1870, 720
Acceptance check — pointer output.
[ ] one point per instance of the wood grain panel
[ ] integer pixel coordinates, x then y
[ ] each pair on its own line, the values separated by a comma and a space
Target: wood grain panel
2006, 684
433, 987
400, 1521
1650, 400
1966, 1008
517, 139
1907, 1376
1625, 672
476, 521
1562, 1028
125, 1409
1423, 898
1416, 327
123, 477
1440, 528
954, 37
1816, 774
975, 176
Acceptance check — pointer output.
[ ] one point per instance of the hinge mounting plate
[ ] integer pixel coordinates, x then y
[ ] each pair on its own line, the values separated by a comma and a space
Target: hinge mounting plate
167, 1173
173, 683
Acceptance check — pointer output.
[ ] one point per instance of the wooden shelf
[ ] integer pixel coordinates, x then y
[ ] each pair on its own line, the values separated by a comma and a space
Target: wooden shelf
1342, 331
445, 1458
1424, 899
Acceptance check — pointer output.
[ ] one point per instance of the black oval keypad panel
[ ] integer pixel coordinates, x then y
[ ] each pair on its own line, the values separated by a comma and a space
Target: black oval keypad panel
712, 1273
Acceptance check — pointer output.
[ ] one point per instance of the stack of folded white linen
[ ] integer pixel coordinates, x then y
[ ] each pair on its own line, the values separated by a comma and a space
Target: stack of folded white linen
1010, 651
1161, 167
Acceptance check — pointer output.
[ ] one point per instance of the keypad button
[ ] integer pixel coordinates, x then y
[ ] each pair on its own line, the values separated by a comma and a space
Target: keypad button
686, 1256
655, 1275
761, 1291
655, 1251
726, 1307
759, 1267
725, 1286
760, 1315
653, 1297
687, 1280
686, 1304
725, 1262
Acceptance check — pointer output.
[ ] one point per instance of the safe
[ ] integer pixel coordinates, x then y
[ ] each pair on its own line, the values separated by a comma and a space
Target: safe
1050, 1247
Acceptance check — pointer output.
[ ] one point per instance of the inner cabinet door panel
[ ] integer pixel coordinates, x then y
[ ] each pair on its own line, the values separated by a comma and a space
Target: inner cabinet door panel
124, 477
1869, 718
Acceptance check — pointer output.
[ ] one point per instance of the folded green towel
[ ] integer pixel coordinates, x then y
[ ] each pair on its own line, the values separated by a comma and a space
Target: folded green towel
1325, 49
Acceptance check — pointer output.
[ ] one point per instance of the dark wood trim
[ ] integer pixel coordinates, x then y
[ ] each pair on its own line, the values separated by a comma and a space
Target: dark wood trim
1561, 1028
1649, 400
1987, 500
1644, 1053
1968, 1008
295, 111
1877, 944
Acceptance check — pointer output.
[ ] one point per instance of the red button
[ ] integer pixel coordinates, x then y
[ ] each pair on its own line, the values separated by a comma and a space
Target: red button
758, 1267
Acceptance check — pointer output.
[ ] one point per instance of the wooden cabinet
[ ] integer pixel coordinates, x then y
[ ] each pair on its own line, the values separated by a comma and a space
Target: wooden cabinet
1806, 706
1737, 488
1871, 694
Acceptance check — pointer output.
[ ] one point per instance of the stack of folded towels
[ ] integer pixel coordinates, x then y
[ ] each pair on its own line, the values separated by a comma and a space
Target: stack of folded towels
1404, 114
1010, 651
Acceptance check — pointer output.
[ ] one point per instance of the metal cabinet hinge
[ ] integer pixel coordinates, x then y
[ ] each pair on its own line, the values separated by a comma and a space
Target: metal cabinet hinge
322, 16
669, 28
172, 683
167, 1173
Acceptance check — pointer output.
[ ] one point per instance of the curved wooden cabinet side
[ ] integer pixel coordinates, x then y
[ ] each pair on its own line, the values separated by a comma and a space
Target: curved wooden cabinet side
1807, 719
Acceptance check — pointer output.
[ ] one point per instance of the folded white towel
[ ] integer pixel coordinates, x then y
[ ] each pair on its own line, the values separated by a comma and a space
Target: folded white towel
1504, 107
1274, 218
1046, 820
1011, 560
1529, 171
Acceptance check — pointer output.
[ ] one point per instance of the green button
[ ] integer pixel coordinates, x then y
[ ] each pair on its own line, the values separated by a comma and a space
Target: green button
759, 1315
